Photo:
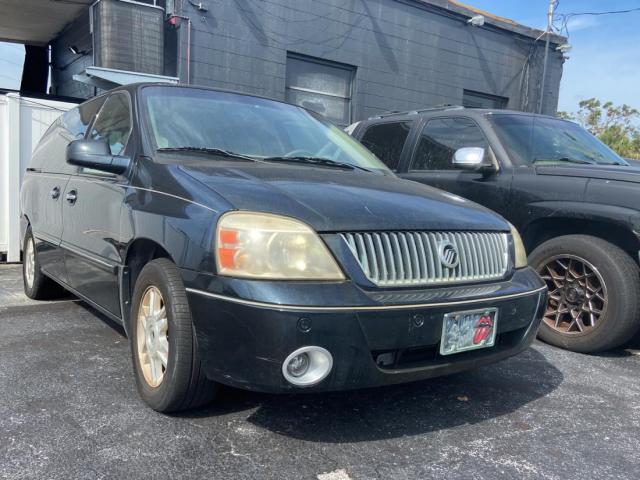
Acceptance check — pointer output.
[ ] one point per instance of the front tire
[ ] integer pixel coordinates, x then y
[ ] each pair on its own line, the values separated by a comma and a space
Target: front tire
594, 293
166, 365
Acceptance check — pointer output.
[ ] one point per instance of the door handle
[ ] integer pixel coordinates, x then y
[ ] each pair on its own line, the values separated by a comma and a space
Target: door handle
72, 196
55, 193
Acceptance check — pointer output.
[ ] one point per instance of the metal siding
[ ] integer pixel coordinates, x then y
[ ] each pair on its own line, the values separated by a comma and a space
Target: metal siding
406, 56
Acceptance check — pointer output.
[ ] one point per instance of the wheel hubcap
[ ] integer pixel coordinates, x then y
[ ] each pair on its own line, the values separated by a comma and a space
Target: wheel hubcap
577, 294
29, 263
153, 336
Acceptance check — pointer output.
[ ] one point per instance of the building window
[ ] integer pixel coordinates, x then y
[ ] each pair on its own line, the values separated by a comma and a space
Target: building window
483, 100
321, 86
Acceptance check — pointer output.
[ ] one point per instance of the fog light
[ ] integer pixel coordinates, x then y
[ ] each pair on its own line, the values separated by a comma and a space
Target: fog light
298, 365
307, 366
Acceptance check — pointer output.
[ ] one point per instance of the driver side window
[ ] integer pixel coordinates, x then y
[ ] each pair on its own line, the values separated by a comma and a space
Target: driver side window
441, 137
114, 123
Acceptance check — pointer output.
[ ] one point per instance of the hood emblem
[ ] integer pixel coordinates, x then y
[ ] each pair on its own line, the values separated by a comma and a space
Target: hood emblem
448, 254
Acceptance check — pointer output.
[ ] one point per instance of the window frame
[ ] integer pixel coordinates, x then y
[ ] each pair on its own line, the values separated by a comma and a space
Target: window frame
83, 171
352, 69
504, 101
416, 142
97, 117
407, 142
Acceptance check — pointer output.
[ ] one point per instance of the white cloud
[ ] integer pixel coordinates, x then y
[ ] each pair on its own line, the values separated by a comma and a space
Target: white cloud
580, 23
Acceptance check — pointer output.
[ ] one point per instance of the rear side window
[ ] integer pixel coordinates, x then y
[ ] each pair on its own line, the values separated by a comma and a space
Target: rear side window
386, 141
441, 137
114, 123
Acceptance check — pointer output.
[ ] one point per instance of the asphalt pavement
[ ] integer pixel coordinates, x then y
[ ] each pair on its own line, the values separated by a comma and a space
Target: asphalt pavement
69, 409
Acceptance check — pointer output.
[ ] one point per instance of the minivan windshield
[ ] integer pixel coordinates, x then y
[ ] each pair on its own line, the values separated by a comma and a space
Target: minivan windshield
541, 140
229, 126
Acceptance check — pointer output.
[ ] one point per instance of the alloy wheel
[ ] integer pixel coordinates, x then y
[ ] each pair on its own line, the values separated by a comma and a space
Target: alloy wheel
29, 263
577, 294
153, 336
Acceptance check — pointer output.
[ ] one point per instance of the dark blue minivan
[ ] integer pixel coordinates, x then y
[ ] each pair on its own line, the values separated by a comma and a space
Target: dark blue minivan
245, 241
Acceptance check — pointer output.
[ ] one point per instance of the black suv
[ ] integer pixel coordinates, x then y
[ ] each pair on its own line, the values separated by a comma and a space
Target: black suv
249, 242
574, 200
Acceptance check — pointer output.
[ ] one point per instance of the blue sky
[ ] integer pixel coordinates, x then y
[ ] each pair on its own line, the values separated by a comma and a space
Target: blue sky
605, 59
604, 62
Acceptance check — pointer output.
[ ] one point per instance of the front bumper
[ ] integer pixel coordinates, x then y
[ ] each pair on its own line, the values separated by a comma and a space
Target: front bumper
243, 339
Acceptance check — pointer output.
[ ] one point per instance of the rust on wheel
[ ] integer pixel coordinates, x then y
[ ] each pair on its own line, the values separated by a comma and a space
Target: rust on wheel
577, 294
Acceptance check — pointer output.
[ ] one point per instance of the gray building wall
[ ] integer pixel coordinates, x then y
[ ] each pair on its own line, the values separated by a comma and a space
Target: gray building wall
64, 64
407, 53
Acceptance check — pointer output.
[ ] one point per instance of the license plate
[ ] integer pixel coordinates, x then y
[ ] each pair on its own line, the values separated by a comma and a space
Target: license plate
469, 330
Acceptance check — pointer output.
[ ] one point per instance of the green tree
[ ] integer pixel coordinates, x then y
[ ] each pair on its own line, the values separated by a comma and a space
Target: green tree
615, 125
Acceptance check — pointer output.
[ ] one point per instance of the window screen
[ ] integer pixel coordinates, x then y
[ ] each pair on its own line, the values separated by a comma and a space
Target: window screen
320, 86
440, 139
483, 100
386, 141
114, 123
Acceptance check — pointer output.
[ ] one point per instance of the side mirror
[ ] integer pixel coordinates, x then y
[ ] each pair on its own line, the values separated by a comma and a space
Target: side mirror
472, 158
95, 154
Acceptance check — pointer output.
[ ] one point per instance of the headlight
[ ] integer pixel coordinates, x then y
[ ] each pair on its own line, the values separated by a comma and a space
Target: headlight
521, 254
261, 245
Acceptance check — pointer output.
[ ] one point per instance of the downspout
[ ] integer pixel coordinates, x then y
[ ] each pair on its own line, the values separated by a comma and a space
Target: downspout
173, 17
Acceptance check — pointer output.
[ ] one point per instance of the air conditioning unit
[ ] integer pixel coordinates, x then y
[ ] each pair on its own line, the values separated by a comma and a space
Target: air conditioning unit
128, 36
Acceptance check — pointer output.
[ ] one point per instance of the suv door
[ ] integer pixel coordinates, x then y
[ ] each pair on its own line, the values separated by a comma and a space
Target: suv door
387, 141
91, 213
45, 182
432, 162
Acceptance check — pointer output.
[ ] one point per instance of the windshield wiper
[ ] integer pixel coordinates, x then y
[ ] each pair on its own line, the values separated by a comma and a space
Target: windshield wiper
212, 151
316, 161
565, 159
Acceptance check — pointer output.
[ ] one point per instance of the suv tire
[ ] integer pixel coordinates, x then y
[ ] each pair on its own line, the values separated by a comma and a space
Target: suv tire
162, 335
594, 281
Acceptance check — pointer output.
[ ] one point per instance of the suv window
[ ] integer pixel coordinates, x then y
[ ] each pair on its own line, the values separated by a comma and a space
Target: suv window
546, 140
386, 141
441, 137
114, 123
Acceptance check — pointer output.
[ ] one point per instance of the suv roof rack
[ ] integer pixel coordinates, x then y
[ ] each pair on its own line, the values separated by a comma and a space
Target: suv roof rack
416, 112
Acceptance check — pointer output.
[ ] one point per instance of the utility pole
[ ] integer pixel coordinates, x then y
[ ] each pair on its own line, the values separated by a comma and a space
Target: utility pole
552, 6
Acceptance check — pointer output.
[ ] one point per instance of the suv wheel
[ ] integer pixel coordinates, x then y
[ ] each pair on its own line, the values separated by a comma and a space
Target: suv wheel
36, 284
594, 293
166, 365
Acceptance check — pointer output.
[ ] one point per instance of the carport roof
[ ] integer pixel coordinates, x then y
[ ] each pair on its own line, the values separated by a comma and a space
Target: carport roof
36, 22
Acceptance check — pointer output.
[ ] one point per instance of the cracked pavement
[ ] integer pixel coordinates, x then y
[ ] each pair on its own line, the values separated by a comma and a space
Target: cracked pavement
69, 409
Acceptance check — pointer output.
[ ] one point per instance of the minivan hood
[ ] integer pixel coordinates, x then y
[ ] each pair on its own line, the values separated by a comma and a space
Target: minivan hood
604, 172
332, 200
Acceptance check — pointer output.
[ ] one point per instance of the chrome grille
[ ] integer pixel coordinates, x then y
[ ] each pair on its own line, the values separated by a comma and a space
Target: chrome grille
412, 258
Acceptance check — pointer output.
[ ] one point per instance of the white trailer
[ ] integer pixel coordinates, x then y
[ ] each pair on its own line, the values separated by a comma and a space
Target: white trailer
23, 121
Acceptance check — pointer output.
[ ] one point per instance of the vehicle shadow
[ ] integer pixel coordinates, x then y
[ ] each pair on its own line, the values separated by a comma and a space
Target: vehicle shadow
405, 410
390, 412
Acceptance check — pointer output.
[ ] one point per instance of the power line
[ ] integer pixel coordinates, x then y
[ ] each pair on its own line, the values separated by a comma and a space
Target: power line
564, 18
573, 14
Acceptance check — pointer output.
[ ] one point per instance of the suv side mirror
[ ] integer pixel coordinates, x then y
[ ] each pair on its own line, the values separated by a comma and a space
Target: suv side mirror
95, 154
472, 158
